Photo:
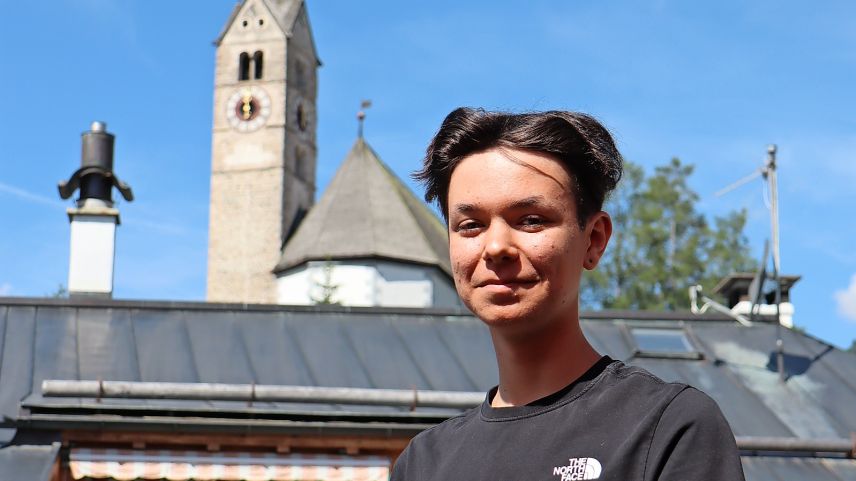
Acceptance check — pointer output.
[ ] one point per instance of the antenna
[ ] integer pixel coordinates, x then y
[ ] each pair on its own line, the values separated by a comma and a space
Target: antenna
768, 172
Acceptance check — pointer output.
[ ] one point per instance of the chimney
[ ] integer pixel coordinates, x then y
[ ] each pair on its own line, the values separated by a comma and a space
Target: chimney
738, 290
94, 219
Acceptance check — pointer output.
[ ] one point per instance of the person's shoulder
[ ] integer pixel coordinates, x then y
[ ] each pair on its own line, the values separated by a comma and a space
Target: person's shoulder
636, 382
693, 406
439, 434
690, 420
679, 396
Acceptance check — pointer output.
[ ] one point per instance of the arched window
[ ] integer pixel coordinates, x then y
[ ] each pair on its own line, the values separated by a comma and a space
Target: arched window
244, 66
257, 63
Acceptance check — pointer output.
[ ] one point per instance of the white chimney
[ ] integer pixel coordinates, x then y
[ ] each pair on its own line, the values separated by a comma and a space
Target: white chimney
93, 249
94, 219
738, 289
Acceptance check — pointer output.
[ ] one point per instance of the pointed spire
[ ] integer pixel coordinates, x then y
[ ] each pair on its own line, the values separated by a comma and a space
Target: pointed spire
361, 116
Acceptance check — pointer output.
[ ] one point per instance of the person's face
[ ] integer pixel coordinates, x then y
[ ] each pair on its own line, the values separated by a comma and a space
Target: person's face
516, 246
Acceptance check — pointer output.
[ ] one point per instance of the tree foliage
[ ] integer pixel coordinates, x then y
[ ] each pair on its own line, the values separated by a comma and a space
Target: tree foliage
661, 244
60, 293
325, 289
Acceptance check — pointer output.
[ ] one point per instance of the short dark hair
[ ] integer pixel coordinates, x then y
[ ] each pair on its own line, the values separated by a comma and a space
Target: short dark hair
575, 139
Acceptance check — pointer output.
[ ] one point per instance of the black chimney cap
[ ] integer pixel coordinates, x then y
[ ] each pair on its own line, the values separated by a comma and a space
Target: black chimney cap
95, 177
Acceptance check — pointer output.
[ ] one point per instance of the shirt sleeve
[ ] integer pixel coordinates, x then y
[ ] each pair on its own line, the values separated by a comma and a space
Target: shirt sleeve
693, 441
400, 467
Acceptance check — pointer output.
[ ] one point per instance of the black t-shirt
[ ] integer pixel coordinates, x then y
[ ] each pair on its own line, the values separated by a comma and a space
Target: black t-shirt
616, 422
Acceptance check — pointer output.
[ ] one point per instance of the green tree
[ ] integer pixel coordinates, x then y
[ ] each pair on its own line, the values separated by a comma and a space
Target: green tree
60, 293
661, 244
327, 294
852, 347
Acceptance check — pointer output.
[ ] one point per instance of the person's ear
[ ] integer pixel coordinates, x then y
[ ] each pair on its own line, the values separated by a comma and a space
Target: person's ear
598, 231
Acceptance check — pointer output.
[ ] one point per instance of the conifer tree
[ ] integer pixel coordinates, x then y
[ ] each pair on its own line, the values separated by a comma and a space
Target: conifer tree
662, 244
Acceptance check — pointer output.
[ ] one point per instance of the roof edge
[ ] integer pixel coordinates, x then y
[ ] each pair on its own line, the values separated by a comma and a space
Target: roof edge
285, 266
217, 41
607, 314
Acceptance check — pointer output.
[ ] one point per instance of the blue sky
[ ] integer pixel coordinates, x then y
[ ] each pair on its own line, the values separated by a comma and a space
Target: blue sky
710, 82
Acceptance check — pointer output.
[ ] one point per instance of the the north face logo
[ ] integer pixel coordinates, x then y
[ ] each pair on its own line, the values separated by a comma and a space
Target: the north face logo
578, 468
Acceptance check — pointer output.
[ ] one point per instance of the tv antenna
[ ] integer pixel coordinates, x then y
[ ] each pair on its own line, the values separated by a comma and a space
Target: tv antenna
768, 172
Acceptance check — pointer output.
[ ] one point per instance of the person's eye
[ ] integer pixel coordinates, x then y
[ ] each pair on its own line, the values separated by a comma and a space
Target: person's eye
468, 228
533, 222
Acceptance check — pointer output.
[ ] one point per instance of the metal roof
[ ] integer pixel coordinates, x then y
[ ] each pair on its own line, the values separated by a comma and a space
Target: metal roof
31, 463
367, 212
391, 349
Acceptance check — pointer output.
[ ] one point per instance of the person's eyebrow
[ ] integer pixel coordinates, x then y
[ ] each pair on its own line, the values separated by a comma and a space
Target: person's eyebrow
528, 202
464, 208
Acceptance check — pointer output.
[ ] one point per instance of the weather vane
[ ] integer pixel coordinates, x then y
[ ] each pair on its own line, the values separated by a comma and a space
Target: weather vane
361, 116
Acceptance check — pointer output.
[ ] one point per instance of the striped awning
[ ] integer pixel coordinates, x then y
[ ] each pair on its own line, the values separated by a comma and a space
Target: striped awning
126, 465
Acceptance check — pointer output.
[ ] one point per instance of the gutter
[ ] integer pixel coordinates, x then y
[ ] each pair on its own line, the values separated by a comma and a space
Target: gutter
184, 425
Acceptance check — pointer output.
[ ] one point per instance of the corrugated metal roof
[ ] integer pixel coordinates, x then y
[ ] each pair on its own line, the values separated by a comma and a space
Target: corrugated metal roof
31, 463
367, 212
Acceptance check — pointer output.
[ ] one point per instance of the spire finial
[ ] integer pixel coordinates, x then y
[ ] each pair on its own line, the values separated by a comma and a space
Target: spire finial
361, 116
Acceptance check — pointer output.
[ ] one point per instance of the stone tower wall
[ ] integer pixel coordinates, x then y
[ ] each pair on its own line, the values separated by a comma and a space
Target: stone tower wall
257, 186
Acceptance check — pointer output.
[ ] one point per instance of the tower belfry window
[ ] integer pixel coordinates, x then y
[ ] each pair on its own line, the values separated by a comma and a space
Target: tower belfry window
258, 64
244, 66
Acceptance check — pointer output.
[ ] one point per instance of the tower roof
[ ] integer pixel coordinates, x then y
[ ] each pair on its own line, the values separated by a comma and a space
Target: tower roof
285, 12
368, 212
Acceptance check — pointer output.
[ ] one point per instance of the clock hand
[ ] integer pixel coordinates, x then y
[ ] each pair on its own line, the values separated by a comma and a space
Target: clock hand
247, 107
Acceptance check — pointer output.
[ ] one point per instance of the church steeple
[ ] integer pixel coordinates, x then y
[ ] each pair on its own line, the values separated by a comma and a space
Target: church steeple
263, 145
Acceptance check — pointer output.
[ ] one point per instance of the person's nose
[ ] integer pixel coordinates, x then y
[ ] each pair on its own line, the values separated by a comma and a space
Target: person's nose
499, 243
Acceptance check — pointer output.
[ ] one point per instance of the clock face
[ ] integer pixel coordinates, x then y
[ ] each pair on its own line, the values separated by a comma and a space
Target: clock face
248, 109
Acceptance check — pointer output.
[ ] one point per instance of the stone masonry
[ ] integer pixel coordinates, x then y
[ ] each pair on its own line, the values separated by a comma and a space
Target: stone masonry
260, 179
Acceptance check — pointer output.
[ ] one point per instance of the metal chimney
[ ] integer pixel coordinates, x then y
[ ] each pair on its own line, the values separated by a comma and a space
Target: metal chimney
94, 219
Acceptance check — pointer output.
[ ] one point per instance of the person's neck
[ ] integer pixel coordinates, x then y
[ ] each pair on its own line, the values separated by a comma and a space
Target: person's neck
535, 366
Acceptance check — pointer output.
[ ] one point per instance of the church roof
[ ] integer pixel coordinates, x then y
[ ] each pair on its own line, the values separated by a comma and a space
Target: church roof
368, 212
285, 12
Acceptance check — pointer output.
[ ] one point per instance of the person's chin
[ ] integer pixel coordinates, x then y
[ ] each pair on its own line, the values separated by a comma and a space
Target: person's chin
502, 311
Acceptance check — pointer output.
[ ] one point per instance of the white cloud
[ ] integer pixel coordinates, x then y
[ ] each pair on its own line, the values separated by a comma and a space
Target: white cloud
5, 289
846, 300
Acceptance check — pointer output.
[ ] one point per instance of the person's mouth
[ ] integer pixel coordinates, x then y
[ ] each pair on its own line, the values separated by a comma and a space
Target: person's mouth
513, 283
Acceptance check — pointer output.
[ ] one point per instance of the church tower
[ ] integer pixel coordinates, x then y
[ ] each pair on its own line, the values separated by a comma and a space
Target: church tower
263, 151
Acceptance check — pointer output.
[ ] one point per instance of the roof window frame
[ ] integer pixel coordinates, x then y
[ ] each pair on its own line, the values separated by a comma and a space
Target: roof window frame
637, 351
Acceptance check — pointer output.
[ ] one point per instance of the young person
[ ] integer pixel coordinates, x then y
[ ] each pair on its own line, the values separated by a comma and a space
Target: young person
522, 196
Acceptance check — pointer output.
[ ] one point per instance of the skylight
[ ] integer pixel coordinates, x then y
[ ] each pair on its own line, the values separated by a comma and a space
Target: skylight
663, 343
